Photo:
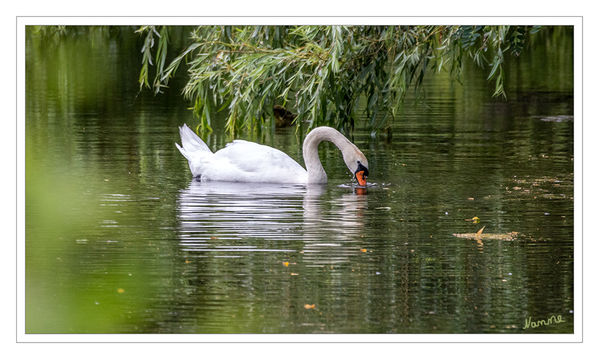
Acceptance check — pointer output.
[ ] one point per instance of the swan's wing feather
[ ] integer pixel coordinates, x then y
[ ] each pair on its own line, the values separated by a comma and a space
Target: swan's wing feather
257, 163
251, 157
190, 141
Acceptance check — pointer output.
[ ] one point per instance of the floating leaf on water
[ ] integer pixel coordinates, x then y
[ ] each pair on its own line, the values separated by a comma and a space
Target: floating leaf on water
509, 236
293, 273
480, 231
309, 306
471, 198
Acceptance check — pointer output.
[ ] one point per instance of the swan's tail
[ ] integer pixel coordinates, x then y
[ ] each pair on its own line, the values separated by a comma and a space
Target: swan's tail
191, 143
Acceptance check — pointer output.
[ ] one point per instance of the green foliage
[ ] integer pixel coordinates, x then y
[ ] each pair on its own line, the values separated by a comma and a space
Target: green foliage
47, 31
327, 75
146, 51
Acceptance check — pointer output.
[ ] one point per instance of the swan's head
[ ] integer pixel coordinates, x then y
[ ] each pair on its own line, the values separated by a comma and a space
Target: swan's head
361, 173
357, 163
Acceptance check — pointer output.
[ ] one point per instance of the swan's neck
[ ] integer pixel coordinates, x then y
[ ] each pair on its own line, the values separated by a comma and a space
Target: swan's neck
316, 173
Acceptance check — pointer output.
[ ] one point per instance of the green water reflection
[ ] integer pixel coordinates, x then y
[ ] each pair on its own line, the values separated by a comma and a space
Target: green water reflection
119, 239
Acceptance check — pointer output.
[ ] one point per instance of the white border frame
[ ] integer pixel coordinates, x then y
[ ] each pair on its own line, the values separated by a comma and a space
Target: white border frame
577, 336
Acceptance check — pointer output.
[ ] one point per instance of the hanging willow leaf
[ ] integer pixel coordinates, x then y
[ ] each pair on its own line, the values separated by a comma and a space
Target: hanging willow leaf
327, 75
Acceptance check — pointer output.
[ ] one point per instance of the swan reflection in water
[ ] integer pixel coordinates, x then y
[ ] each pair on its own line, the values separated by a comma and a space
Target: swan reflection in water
229, 219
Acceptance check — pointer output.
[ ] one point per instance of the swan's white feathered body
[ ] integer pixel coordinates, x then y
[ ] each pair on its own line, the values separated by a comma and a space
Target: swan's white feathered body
239, 161
243, 161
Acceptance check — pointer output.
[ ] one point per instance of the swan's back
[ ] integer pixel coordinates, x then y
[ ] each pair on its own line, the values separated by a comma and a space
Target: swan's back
243, 161
239, 161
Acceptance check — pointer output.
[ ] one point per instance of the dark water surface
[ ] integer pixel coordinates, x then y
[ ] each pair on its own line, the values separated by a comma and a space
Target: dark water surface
120, 239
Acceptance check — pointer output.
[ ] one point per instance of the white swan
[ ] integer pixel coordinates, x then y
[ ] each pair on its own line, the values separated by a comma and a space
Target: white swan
243, 161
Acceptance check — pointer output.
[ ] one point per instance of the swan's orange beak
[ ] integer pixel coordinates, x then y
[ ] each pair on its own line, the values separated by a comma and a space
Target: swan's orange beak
361, 177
